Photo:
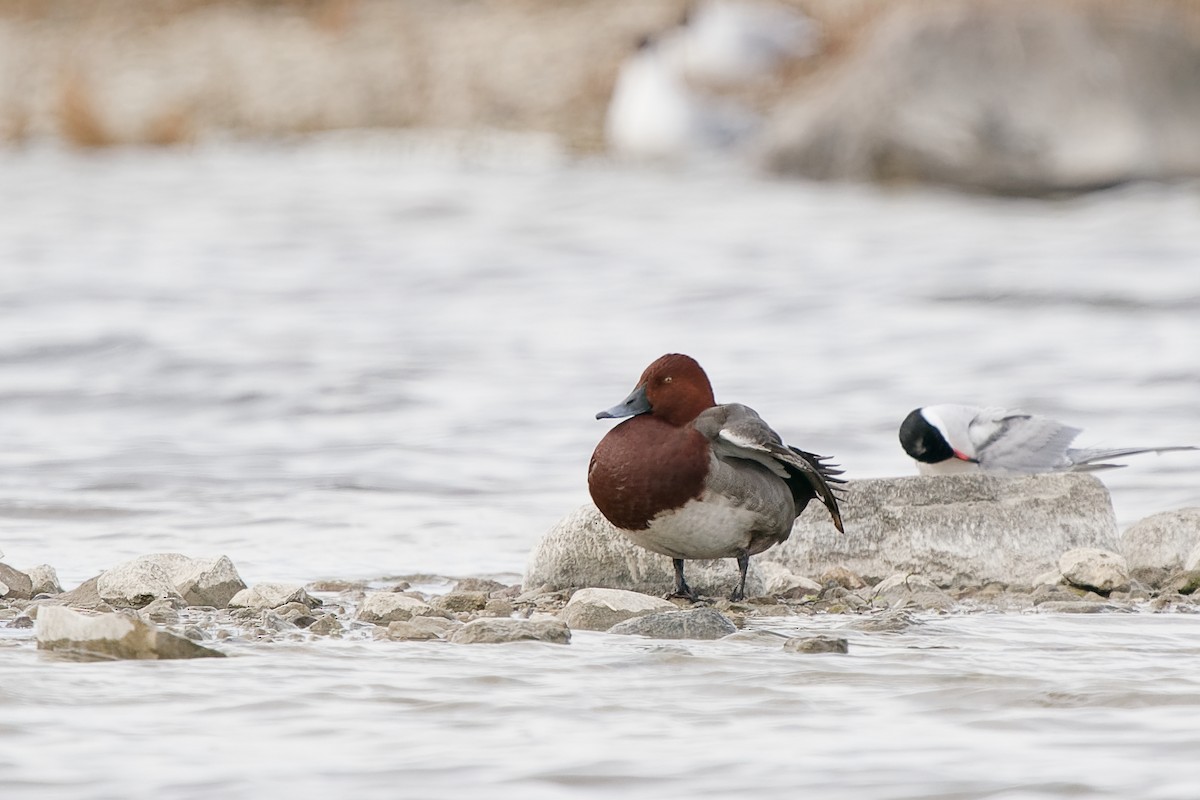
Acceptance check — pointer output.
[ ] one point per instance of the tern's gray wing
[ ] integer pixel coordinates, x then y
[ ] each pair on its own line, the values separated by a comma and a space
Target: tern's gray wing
1021, 443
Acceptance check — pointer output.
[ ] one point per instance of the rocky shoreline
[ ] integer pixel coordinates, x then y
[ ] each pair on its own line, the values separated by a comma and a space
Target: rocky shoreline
174, 606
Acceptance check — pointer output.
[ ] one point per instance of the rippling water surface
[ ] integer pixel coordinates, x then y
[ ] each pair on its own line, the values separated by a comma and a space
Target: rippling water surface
353, 359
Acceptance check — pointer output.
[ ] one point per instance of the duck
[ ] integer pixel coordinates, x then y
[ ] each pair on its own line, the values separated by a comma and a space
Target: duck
951, 438
690, 479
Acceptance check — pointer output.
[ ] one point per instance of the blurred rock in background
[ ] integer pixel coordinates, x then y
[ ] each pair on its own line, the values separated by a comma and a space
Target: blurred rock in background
1019, 97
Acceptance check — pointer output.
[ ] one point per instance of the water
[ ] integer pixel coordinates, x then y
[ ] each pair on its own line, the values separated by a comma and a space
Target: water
355, 358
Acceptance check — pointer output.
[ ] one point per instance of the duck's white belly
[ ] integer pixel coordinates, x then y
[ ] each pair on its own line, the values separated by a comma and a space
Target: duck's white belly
701, 529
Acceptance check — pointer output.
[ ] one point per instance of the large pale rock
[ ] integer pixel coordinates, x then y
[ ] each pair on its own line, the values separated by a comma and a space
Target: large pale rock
1007, 96
1099, 570
600, 609
1192, 562
138, 582
197, 581
384, 607
955, 530
44, 580
693, 623
1162, 541
110, 637
263, 596
14, 584
585, 550
491, 630
212, 582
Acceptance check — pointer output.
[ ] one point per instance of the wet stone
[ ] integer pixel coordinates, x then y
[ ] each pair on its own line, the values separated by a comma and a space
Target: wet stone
272, 595
1095, 569
1162, 541
498, 607
696, 623
887, 622
816, 644
45, 580
14, 584
325, 624
412, 630
110, 636
384, 607
485, 585
496, 631
21, 621
840, 576
461, 601
1075, 607
599, 609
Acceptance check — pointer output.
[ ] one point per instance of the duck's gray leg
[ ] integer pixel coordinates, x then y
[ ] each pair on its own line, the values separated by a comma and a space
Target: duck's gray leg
681, 587
743, 562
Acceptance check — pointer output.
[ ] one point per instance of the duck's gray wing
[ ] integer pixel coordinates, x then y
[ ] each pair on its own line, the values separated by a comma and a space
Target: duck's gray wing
737, 431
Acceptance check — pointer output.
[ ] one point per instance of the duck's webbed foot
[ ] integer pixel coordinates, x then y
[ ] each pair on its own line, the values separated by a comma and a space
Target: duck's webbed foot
682, 590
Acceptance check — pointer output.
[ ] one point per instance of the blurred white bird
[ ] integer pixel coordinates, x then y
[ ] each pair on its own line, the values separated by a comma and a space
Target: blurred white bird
659, 107
945, 439
723, 42
654, 114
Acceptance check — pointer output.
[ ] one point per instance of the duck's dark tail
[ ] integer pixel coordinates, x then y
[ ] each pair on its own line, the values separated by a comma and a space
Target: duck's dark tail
821, 478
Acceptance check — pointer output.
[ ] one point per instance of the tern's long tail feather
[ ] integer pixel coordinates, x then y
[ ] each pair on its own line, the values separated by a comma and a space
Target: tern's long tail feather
1091, 459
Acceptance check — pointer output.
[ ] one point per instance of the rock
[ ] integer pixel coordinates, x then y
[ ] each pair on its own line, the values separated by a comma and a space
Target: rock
887, 622
840, 576
485, 585
1049, 578
325, 624
1192, 562
694, 623
499, 607
209, 583
200, 582
461, 601
816, 644
493, 631
110, 636
272, 595
956, 530
45, 580
84, 596
914, 591
384, 607
16, 584
600, 609
1161, 541
1016, 97
585, 550
1074, 607
420, 628
138, 582
779, 581
1090, 568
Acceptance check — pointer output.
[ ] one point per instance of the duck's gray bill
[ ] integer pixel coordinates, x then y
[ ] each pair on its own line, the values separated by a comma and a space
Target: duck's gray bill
631, 406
